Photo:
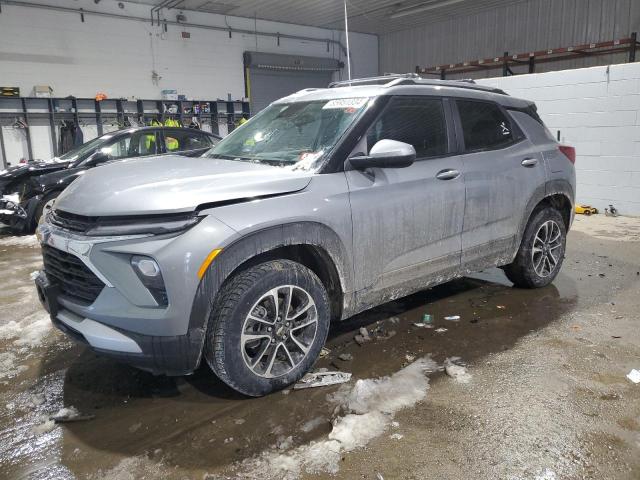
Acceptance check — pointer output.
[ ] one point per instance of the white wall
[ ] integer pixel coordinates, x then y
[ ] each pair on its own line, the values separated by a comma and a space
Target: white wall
117, 56
597, 110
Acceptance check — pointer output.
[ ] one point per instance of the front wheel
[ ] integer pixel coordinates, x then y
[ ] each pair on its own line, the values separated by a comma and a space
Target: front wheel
541, 252
267, 327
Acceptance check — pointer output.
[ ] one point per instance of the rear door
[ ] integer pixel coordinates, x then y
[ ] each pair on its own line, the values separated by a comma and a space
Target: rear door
407, 221
502, 171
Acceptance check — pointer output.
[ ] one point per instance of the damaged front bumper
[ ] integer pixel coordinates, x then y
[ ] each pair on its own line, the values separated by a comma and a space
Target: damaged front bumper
11, 213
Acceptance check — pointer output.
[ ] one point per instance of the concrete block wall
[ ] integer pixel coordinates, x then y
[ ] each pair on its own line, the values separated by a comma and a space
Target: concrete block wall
597, 110
117, 56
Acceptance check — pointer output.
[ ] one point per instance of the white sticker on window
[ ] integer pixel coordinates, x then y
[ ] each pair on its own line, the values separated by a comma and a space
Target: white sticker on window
346, 103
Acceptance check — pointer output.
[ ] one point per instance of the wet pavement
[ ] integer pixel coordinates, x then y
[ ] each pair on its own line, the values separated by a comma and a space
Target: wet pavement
547, 396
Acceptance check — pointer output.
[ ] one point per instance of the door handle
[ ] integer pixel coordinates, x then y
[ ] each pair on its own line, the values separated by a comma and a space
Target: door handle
529, 162
447, 174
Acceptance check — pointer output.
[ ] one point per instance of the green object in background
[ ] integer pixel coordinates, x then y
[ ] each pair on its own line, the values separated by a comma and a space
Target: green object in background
427, 318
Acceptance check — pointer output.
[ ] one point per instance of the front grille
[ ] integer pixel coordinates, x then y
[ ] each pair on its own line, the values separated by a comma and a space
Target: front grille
72, 276
71, 221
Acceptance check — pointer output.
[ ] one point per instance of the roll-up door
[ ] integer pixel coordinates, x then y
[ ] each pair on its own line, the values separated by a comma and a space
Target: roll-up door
270, 76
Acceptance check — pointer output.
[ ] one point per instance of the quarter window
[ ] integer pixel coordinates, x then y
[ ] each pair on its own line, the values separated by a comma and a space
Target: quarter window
418, 121
484, 125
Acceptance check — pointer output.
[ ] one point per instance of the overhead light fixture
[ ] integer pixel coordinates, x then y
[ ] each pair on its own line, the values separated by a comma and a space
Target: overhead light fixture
423, 8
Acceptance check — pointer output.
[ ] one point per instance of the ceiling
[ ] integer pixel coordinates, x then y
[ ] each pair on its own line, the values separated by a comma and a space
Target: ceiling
367, 16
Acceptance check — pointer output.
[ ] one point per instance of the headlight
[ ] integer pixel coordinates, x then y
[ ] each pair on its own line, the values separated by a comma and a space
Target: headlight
139, 225
150, 275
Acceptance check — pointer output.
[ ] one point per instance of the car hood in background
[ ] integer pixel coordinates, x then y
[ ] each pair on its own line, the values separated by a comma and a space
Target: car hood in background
34, 168
173, 184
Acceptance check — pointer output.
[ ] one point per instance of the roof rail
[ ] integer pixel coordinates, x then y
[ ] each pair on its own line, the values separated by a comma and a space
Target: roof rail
380, 80
395, 79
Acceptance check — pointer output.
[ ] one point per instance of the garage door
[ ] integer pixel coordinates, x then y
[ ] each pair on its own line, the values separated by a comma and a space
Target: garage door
271, 76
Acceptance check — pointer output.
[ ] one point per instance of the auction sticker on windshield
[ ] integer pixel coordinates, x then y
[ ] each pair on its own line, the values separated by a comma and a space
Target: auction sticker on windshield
346, 103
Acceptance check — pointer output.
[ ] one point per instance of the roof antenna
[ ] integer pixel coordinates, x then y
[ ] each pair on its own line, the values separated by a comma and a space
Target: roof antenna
346, 32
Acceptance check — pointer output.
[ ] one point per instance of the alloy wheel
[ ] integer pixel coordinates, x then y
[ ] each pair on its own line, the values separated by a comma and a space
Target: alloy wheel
279, 331
545, 253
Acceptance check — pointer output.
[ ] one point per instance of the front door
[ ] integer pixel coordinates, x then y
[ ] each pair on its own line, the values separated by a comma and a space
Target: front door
407, 222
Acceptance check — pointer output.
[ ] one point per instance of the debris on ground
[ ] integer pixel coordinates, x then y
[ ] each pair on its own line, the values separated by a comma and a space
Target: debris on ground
322, 379
634, 376
394, 320
396, 436
313, 424
382, 334
453, 318
441, 330
427, 321
239, 421
410, 358
379, 332
500, 307
456, 371
379, 476
70, 414
363, 336
345, 357
324, 352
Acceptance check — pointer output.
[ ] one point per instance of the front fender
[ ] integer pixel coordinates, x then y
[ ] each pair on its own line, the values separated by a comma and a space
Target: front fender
256, 243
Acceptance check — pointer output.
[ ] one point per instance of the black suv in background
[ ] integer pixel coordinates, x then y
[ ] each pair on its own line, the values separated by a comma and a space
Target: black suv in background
36, 185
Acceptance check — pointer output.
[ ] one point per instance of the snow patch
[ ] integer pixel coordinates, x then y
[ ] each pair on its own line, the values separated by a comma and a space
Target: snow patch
133, 468
312, 424
547, 474
8, 367
28, 332
23, 241
46, 426
368, 408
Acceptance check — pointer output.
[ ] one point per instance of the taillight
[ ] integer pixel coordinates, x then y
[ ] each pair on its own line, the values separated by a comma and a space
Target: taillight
569, 152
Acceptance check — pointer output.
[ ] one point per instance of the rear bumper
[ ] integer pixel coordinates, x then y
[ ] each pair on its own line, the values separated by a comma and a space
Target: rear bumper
160, 355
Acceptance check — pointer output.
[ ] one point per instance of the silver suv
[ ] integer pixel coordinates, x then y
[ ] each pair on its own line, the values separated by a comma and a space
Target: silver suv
327, 203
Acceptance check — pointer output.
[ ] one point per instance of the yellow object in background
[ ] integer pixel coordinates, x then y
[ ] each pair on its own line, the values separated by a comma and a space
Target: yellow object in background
586, 209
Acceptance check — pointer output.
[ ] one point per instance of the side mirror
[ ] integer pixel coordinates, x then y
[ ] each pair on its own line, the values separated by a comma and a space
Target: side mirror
98, 158
385, 154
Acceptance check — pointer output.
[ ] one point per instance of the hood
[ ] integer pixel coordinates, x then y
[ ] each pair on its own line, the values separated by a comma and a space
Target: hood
173, 183
33, 168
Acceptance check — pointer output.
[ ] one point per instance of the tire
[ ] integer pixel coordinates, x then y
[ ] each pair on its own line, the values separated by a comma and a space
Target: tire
239, 347
587, 212
530, 269
50, 197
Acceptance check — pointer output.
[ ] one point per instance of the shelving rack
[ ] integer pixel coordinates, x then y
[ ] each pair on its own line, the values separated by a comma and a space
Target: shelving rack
506, 61
113, 111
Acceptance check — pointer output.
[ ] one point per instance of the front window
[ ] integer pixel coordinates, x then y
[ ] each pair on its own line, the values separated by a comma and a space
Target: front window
76, 155
299, 134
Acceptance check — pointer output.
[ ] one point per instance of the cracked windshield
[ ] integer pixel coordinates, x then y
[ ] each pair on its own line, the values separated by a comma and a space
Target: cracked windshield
298, 135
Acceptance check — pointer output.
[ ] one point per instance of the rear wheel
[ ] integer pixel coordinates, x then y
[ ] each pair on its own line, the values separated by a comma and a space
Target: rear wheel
541, 252
267, 327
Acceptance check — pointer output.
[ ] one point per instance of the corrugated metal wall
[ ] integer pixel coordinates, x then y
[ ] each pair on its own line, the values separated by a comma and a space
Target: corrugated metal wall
517, 28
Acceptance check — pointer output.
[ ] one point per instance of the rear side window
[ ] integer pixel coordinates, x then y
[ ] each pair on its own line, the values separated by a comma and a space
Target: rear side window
484, 126
418, 121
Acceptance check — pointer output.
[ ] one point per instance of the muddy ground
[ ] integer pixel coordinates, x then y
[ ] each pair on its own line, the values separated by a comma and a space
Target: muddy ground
547, 396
